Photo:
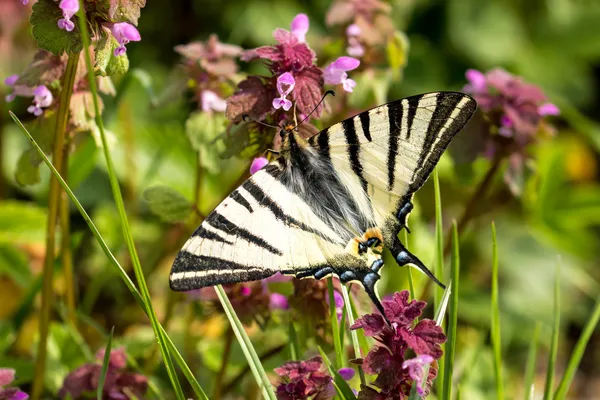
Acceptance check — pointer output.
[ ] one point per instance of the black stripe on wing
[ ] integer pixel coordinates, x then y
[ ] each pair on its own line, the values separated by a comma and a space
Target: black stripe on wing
365, 123
395, 113
221, 223
206, 234
413, 105
354, 150
238, 198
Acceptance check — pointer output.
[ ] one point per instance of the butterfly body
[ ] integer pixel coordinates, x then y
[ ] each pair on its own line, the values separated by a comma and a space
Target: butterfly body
330, 203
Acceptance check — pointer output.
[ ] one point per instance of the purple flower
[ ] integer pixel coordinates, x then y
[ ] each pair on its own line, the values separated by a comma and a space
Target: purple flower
69, 8
42, 98
24, 2
7, 376
346, 373
299, 27
338, 302
277, 301
285, 85
335, 73
387, 360
124, 33
548, 109
18, 90
416, 368
210, 101
119, 384
257, 164
304, 380
355, 49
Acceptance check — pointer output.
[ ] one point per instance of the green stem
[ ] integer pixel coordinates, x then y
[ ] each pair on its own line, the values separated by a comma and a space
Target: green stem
353, 333
229, 335
159, 334
53, 211
65, 252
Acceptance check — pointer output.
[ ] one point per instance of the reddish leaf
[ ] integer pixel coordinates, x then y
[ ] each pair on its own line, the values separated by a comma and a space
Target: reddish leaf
309, 90
252, 98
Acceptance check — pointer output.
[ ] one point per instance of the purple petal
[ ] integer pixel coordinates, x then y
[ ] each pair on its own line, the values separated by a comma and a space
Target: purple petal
278, 301
353, 30
299, 27
11, 80
286, 104
69, 7
548, 109
355, 50
346, 373
246, 291
125, 32
476, 79
333, 76
210, 101
348, 85
10, 97
346, 63
20, 396
7, 375
257, 164
506, 121
119, 51
41, 91
24, 2
285, 79
66, 24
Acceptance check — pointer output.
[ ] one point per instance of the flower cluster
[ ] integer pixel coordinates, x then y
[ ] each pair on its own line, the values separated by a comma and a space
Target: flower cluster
119, 384
304, 380
295, 74
515, 117
395, 372
7, 376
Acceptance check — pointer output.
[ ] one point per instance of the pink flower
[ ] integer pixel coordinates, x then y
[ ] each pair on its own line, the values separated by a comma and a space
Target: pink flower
416, 368
24, 2
477, 82
18, 90
346, 373
42, 99
69, 8
299, 27
7, 375
257, 164
304, 380
285, 85
548, 109
335, 73
278, 301
338, 303
124, 33
355, 49
210, 101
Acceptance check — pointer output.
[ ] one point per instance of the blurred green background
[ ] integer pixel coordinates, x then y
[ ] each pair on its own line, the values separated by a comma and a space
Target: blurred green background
552, 43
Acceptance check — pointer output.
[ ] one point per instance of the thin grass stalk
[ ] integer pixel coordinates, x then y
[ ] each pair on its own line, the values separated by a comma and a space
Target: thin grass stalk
353, 333
224, 362
439, 263
531, 361
453, 320
549, 386
54, 201
335, 327
118, 197
411, 286
66, 255
495, 323
588, 330
251, 356
112, 259
105, 363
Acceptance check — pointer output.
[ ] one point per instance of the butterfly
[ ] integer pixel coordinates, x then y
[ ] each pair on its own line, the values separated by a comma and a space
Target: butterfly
328, 204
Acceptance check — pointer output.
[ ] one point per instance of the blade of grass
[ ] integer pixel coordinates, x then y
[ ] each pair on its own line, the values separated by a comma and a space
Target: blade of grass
293, 341
548, 388
262, 380
54, 202
362, 339
531, 358
353, 333
453, 322
439, 318
341, 386
439, 264
495, 323
111, 258
105, 363
411, 286
577, 354
118, 197
335, 327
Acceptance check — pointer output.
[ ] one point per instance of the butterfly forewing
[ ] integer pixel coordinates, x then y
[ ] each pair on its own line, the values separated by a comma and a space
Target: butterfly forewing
366, 168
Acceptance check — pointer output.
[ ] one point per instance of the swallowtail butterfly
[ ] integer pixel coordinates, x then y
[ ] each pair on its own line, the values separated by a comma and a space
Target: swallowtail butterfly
330, 203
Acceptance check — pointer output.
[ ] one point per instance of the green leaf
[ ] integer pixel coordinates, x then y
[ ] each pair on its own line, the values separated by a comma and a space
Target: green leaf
204, 130
21, 222
167, 203
397, 52
106, 61
49, 36
105, 363
244, 141
117, 65
341, 386
549, 386
438, 269
335, 327
531, 358
125, 10
453, 319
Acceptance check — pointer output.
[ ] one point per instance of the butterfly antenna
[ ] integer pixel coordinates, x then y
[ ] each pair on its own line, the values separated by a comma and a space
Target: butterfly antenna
331, 92
246, 117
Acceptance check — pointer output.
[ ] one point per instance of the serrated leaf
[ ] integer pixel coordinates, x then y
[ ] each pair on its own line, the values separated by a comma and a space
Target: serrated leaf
21, 222
167, 203
44, 19
204, 131
125, 10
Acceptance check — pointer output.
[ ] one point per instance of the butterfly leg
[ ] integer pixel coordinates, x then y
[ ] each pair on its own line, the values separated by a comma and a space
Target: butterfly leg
403, 257
402, 215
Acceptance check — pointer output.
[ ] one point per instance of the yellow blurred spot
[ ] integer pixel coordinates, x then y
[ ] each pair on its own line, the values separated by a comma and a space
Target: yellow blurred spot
27, 334
212, 328
580, 163
10, 297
